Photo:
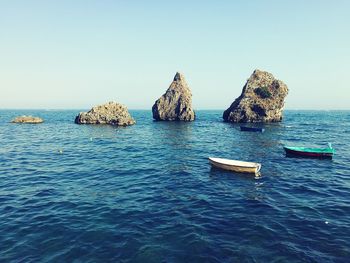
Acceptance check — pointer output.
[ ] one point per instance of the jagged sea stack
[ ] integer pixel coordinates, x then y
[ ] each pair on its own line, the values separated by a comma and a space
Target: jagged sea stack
111, 113
176, 103
262, 100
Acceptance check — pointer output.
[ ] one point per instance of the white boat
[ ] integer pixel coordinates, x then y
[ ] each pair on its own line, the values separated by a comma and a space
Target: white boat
235, 166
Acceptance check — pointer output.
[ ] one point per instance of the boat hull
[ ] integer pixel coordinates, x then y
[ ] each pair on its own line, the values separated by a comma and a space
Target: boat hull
235, 168
251, 129
317, 155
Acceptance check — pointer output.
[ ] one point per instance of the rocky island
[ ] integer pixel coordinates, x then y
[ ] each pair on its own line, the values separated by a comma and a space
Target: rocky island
262, 100
111, 113
176, 103
27, 119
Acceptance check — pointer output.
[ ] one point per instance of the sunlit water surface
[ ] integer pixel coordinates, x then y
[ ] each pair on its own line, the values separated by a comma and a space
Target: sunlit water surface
147, 193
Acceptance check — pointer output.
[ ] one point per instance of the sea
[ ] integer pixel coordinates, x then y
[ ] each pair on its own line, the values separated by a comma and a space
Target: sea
147, 193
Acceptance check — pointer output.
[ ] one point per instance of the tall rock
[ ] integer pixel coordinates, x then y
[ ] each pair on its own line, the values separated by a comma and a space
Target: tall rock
111, 113
176, 103
262, 100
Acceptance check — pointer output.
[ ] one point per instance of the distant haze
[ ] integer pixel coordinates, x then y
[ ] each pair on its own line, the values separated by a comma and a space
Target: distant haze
76, 54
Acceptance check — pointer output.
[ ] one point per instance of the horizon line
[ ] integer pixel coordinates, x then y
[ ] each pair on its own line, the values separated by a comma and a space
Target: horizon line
200, 109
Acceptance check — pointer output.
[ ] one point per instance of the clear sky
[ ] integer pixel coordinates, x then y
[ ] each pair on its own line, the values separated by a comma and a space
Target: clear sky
76, 54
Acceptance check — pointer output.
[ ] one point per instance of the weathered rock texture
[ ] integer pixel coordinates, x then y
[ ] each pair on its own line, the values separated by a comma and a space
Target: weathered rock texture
262, 100
27, 119
176, 103
110, 113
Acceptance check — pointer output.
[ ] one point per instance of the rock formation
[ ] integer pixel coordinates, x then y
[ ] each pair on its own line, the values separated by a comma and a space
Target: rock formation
110, 113
262, 100
176, 103
27, 119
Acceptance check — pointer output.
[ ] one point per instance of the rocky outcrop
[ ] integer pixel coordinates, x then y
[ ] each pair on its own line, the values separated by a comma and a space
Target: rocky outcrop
262, 100
27, 119
110, 113
176, 103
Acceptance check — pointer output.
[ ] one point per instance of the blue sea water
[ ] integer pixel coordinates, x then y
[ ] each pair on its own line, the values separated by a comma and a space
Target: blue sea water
146, 193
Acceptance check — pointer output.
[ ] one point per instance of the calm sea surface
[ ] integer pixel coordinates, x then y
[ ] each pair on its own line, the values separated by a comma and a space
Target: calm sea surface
147, 193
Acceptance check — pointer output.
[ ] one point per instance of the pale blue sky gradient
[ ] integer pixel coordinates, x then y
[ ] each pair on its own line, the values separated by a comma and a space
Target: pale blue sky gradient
76, 54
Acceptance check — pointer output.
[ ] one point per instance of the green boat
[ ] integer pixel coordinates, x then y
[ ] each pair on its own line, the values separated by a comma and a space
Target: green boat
310, 152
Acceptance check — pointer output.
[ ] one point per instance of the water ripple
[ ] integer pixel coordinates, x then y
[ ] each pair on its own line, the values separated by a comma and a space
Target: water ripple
147, 193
